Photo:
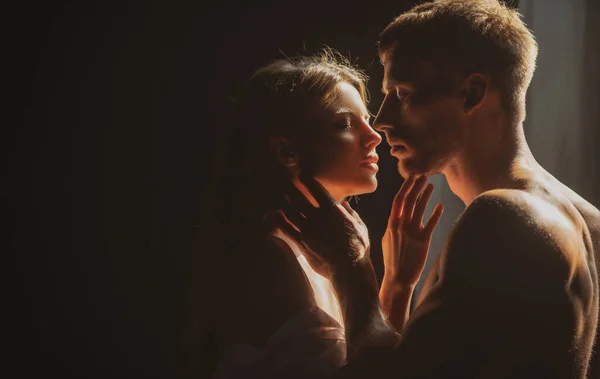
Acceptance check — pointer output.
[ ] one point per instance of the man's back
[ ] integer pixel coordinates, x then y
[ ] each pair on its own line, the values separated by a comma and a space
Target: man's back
591, 218
514, 293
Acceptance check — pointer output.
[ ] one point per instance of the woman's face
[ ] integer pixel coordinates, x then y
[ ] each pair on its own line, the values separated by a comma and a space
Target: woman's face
341, 154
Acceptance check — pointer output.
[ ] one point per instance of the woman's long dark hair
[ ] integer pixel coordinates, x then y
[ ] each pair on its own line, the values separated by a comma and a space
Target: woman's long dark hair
278, 100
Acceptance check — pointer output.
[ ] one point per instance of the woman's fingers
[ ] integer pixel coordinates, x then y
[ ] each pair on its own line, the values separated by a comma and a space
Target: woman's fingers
292, 215
287, 226
398, 202
316, 190
298, 200
433, 220
411, 198
350, 210
421, 205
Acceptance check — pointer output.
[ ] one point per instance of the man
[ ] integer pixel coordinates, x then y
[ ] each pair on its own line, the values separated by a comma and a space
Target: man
514, 294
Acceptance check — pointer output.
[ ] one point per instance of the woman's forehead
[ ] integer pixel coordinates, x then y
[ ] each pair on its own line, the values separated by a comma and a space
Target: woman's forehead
347, 100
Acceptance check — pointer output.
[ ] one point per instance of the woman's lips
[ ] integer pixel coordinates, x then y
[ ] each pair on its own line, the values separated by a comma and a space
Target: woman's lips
370, 165
371, 162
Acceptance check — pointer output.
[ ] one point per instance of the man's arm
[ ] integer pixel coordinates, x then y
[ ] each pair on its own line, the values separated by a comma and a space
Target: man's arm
498, 274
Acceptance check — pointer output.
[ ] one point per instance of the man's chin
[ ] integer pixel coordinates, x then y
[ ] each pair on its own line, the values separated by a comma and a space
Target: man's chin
405, 170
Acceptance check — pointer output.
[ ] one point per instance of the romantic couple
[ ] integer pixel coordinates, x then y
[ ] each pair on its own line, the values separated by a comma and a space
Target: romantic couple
513, 294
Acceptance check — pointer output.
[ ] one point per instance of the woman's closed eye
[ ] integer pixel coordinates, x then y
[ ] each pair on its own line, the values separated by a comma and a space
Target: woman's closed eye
351, 120
344, 123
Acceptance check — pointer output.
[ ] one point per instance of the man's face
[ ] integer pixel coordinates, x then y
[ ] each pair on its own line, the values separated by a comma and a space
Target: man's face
421, 115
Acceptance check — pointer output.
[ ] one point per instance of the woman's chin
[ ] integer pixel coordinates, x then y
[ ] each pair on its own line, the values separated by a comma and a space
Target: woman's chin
350, 187
372, 188
367, 186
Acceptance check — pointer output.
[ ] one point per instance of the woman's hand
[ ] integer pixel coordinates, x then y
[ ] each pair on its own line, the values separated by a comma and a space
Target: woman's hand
406, 240
331, 234
405, 246
336, 245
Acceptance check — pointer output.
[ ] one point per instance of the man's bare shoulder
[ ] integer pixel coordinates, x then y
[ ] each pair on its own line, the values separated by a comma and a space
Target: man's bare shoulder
513, 239
512, 213
590, 213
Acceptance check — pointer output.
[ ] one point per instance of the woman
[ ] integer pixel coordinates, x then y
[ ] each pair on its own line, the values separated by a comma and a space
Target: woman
301, 145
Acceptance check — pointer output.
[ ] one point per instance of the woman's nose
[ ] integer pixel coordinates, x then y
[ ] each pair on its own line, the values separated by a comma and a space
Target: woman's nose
373, 138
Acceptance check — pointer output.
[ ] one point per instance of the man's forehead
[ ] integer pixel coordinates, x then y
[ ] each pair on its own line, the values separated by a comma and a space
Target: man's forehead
408, 69
400, 69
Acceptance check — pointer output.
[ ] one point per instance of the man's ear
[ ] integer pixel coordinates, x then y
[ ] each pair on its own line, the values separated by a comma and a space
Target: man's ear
284, 151
474, 92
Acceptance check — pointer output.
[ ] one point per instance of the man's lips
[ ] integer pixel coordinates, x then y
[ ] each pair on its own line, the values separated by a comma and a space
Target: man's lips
396, 142
399, 150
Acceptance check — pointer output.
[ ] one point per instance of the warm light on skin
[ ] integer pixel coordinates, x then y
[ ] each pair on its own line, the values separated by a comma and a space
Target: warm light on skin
548, 212
344, 141
558, 223
422, 124
325, 296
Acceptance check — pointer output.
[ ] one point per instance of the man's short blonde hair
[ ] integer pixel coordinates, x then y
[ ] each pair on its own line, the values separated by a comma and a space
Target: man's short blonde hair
474, 35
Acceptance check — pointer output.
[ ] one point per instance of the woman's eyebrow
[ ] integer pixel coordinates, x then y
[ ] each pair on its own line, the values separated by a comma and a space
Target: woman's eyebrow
346, 111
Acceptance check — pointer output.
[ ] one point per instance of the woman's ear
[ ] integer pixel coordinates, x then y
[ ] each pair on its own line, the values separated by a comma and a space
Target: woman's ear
284, 151
474, 92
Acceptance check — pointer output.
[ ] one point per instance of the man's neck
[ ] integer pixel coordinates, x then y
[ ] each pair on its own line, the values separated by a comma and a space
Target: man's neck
491, 161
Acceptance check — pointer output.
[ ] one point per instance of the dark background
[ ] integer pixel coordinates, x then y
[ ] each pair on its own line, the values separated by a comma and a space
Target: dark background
118, 107
107, 163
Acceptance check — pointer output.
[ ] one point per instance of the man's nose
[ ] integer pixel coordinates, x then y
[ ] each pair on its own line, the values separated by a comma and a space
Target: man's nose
380, 123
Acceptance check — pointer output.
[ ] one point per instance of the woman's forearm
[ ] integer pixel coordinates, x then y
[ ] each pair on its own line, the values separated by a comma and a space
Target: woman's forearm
395, 301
